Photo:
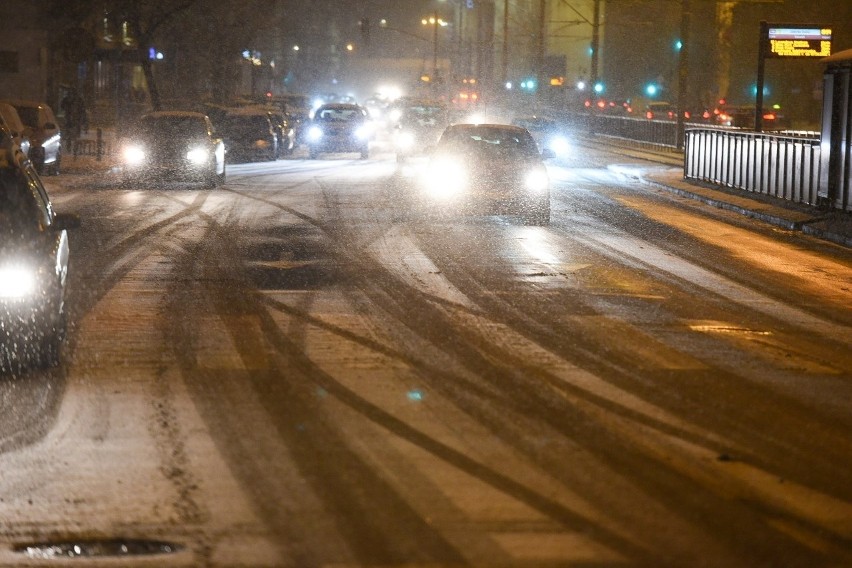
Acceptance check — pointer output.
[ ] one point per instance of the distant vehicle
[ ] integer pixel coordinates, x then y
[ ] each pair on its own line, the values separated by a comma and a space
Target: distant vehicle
660, 111
11, 120
285, 131
297, 109
493, 168
743, 117
42, 129
249, 135
421, 123
340, 128
178, 145
547, 132
34, 253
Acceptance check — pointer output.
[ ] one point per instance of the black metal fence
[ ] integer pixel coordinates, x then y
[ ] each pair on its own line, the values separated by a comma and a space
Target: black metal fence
783, 166
97, 147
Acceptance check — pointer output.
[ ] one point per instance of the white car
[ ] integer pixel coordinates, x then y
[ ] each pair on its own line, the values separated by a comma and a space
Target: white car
42, 129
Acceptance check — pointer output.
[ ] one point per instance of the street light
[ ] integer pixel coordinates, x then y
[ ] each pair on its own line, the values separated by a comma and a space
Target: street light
435, 22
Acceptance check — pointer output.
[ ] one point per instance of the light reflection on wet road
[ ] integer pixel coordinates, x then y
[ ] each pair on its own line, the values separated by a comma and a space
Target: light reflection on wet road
294, 370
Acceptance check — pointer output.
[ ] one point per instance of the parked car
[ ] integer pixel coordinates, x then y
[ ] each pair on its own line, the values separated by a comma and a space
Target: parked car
489, 168
297, 109
285, 131
249, 135
34, 252
340, 128
10, 119
42, 129
174, 145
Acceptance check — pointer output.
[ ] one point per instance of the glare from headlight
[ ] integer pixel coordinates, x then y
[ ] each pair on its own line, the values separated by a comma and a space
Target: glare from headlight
134, 155
197, 155
314, 133
445, 178
559, 145
404, 140
363, 132
16, 282
536, 181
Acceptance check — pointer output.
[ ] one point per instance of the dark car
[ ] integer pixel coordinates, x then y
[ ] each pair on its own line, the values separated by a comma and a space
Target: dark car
420, 125
250, 135
339, 128
547, 132
42, 129
33, 265
494, 168
285, 131
178, 145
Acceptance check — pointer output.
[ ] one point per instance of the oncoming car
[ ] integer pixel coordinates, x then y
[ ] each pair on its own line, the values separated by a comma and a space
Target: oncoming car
34, 254
495, 168
420, 124
339, 128
174, 144
547, 132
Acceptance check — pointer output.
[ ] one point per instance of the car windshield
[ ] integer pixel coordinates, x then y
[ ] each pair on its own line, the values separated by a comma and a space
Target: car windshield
338, 114
171, 127
246, 125
28, 115
489, 142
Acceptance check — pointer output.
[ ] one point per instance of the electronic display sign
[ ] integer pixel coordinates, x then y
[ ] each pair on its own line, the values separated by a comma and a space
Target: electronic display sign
797, 40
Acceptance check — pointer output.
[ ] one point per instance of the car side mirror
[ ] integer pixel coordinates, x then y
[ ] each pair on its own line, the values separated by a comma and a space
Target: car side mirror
66, 221
547, 154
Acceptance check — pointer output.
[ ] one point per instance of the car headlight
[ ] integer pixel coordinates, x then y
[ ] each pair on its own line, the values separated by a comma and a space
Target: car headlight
261, 144
536, 181
445, 177
559, 145
363, 132
404, 140
198, 155
16, 282
134, 154
314, 133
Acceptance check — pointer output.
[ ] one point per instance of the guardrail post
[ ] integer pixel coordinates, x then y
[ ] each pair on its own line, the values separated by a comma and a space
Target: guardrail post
99, 144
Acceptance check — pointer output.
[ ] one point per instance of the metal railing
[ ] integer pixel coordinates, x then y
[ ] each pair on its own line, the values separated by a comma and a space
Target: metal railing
783, 166
99, 147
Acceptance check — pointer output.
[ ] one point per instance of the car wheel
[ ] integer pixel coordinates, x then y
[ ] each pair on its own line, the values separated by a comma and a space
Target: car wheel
55, 169
221, 177
313, 154
365, 153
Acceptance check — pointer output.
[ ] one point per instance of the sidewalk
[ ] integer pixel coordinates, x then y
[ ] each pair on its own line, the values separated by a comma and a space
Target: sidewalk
834, 226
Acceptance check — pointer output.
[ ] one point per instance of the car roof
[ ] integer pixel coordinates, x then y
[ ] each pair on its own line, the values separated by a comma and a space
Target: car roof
341, 106
174, 114
491, 126
25, 103
247, 111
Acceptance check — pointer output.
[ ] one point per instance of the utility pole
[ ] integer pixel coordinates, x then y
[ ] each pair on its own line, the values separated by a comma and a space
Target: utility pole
596, 40
542, 43
682, 70
505, 61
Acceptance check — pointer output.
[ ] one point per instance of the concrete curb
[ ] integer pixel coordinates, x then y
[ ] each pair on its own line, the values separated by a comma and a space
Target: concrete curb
835, 227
